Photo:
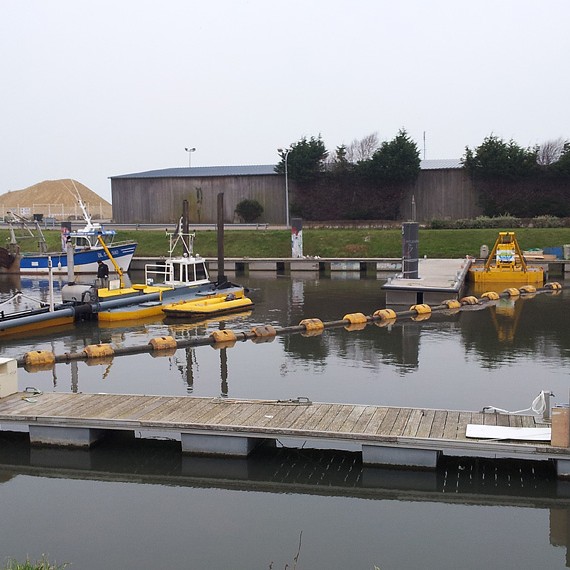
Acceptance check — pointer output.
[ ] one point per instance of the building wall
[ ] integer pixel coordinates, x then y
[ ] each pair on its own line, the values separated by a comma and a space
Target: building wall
159, 200
445, 194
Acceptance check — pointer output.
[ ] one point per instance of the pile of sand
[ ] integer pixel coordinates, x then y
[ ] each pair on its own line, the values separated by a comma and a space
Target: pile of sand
57, 193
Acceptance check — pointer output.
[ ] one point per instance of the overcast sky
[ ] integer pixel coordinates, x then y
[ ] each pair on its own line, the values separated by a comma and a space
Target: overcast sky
91, 90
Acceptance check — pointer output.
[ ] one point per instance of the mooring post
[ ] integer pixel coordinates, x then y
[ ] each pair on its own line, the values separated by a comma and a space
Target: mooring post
221, 275
410, 250
185, 227
546, 414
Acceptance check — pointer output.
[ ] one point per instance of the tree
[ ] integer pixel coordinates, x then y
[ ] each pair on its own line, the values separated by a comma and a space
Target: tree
249, 210
496, 159
305, 159
339, 164
362, 149
396, 161
550, 151
562, 165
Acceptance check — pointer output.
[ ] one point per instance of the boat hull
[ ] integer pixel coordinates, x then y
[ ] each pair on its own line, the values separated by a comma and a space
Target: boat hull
145, 306
84, 261
206, 308
36, 320
532, 276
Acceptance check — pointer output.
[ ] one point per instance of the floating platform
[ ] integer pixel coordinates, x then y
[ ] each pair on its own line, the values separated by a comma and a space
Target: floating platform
439, 280
388, 436
506, 263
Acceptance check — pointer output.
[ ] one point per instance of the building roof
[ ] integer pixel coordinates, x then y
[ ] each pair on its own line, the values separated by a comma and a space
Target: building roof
204, 172
253, 170
441, 164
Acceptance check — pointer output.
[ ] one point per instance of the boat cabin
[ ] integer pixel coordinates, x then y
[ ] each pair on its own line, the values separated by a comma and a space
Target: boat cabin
177, 272
88, 239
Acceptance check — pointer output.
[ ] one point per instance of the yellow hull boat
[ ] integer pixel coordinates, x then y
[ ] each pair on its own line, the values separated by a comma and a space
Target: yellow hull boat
208, 307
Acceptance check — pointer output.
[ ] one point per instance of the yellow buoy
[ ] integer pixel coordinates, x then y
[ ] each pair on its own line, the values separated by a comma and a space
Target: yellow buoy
98, 350
39, 358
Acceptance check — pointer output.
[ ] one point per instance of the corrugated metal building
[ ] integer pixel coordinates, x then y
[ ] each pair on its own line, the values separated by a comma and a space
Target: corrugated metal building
442, 191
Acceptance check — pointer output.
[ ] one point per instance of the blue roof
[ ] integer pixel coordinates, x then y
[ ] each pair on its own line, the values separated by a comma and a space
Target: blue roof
253, 170
204, 171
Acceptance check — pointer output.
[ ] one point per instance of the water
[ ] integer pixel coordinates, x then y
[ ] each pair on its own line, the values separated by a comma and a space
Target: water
135, 505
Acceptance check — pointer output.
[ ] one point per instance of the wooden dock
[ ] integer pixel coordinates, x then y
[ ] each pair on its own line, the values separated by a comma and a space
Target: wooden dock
388, 436
286, 265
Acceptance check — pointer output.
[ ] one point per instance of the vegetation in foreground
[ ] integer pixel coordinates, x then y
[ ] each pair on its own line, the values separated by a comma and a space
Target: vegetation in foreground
42, 564
340, 242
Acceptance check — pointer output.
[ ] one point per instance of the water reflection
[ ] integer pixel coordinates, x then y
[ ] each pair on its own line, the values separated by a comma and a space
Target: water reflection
466, 490
144, 505
522, 344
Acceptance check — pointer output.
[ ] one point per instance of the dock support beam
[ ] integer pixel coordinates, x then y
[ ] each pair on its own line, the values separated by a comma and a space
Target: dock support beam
221, 445
64, 436
563, 468
399, 456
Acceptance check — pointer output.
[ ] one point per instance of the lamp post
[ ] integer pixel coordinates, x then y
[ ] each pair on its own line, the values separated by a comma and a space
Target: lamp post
190, 151
286, 152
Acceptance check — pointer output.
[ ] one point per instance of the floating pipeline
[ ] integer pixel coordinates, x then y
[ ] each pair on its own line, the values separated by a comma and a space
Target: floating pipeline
167, 345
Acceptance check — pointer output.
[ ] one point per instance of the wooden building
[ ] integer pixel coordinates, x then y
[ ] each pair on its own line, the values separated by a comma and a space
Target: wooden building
442, 191
156, 197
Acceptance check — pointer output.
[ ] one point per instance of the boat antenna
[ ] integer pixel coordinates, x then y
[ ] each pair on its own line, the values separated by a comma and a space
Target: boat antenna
179, 236
88, 223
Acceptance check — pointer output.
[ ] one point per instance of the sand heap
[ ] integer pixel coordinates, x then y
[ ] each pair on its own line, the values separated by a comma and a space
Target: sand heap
57, 194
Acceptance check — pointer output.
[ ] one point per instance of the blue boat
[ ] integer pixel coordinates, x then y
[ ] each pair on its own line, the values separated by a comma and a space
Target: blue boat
85, 258
90, 244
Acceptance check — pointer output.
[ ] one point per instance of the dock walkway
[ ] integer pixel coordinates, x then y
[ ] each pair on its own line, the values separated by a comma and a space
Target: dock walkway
438, 280
389, 436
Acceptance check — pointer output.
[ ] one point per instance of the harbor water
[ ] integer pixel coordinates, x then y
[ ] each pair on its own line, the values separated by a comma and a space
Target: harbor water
134, 504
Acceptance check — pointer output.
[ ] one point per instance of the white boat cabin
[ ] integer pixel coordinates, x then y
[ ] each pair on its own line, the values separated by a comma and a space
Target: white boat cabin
177, 272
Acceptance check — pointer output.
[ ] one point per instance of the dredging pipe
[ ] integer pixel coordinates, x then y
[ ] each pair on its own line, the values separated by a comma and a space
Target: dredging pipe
167, 345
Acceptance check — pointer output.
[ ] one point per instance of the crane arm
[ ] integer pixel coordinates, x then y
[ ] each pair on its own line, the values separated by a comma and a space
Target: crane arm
109, 255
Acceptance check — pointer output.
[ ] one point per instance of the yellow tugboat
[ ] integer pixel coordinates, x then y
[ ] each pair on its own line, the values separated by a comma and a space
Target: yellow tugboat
506, 263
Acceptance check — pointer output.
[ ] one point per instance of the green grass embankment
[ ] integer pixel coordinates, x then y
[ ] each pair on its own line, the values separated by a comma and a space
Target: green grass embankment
351, 243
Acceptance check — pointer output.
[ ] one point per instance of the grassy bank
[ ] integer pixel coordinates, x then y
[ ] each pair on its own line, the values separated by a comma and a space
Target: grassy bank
357, 243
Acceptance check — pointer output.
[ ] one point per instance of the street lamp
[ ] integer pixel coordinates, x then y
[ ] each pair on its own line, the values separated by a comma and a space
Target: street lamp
286, 152
190, 151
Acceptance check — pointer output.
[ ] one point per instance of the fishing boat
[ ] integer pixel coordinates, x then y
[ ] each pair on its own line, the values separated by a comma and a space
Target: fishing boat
90, 244
506, 264
200, 308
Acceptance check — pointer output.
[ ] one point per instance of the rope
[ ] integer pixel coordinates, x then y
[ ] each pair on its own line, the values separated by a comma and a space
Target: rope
538, 406
17, 295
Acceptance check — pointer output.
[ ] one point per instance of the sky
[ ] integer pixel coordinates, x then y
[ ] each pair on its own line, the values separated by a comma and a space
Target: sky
91, 90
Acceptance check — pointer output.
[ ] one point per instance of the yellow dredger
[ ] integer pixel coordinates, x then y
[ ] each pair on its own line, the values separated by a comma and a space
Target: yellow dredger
506, 263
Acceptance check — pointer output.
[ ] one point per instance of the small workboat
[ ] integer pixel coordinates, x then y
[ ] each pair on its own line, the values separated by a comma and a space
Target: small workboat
177, 279
22, 314
506, 263
200, 308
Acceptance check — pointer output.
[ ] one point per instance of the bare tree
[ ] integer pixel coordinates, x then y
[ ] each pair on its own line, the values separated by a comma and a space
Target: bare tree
550, 151
362, 149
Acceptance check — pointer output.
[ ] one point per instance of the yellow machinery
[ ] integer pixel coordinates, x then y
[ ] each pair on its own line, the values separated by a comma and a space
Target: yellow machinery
506, 264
